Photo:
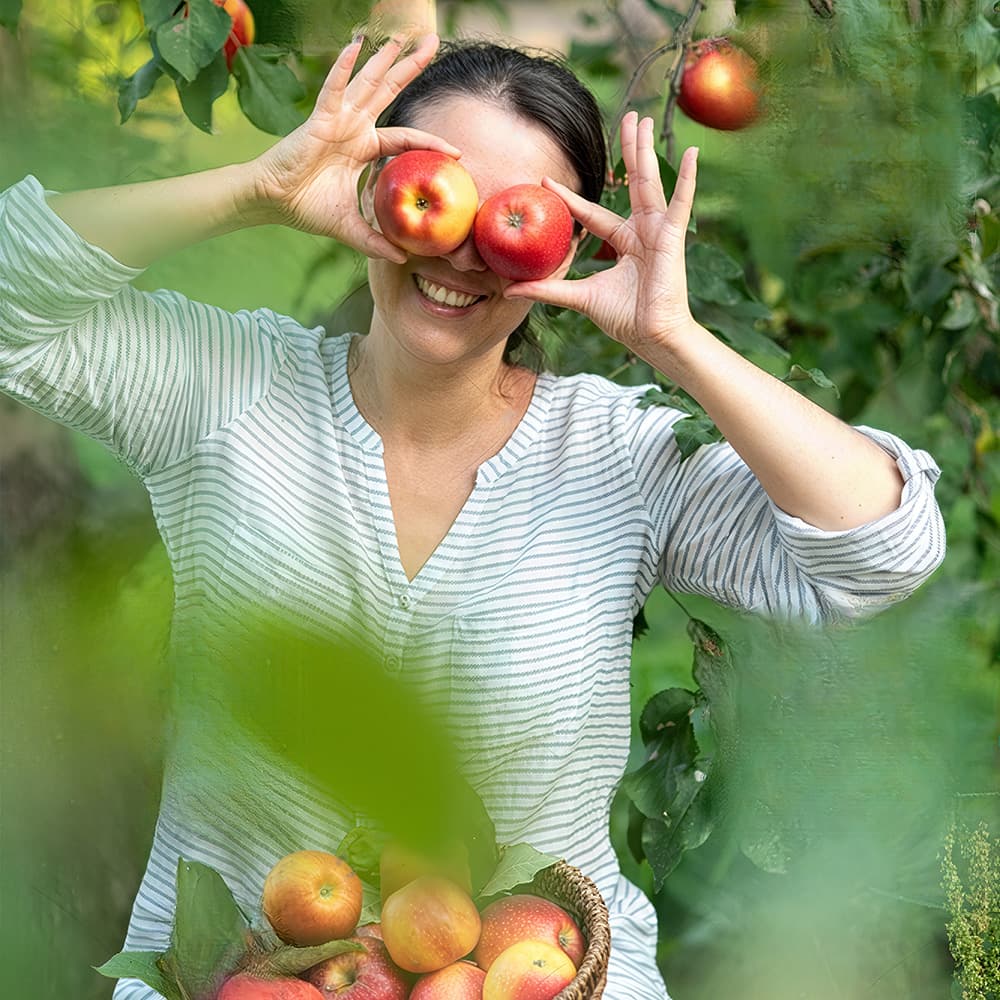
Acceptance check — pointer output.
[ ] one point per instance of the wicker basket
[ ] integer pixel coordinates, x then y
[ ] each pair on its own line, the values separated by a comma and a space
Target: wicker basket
571, 889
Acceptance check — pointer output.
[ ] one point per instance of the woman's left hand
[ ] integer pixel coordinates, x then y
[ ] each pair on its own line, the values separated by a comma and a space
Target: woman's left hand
642, 300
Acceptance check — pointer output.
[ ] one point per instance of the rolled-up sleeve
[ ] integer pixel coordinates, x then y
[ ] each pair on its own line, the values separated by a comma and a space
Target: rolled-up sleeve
717, 533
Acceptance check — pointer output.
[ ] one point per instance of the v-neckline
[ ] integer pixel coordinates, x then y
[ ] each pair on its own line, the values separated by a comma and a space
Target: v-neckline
517, 446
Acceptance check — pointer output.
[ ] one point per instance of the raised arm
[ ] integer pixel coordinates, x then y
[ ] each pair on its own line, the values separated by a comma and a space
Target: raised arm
307, 180
810, 463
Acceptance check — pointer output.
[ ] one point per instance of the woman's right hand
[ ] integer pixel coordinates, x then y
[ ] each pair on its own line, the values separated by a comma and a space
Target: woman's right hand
309, 179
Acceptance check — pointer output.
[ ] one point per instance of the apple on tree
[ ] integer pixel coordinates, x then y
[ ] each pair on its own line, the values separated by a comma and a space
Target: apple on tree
524, 232
528, 970
429, 923
719, 85
361, 975
425, 202
311, 897
526, 917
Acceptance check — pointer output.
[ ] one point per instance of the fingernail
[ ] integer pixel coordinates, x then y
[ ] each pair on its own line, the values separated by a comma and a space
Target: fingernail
358, 39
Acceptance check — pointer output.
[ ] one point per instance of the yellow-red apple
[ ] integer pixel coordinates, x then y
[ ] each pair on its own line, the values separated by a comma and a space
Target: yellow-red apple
244, 987
458, 981
400, 864
429, 923
425, 202
243, 30
528, 970
524, 232
361, 975
525, 917
311, 897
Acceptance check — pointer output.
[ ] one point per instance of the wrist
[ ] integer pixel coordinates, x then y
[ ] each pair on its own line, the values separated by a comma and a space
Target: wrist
250, 203
688, 349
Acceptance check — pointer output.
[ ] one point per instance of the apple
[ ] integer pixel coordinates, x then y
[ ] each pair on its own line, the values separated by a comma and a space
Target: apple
425, 202
429, 923
524, 232
361, 975
528, 970
243, 30
311, 897
719, 85
525, 917
399, 864
458, 981
244, 987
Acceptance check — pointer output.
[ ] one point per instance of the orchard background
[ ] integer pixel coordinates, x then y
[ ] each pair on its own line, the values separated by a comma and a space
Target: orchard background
853, 233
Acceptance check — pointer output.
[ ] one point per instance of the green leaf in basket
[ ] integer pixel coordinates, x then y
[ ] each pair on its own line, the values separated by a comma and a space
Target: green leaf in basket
290, 961
144, 966
518, 865
209, 937
371, 905
362, 848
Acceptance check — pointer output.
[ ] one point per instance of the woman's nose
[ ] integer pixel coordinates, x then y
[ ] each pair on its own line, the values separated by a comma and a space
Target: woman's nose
465, 257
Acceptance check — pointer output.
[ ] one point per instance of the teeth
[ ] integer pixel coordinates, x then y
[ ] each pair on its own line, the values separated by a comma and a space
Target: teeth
445, 296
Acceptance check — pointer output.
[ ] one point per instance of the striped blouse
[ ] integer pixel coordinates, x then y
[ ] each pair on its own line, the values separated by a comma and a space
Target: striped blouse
268, 487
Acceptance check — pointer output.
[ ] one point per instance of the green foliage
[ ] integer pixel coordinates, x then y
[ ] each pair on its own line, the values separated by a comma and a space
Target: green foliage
970, 870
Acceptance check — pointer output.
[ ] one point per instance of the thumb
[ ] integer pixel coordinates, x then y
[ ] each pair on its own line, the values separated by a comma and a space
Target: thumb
554, 292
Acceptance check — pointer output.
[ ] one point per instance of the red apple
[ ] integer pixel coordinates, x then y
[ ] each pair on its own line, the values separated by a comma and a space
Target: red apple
425, 202
243, 29
528, 970
244, 987
524, 232
458, 981
311, 897
719, 85
399, 864
429, 923
526, 917
361, 975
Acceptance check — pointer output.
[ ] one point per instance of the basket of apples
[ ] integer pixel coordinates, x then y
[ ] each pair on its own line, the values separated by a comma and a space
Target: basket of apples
375, 920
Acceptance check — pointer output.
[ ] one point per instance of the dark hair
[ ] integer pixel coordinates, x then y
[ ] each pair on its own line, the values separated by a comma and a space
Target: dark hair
535, 85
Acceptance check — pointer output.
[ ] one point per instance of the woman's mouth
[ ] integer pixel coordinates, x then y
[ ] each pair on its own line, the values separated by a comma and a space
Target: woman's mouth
442, 296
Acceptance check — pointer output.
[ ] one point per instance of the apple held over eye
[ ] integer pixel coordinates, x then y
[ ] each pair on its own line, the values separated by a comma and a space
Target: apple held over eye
425, 202
528, 970
361, 975
524, 232
429, 923
719, 85
244, 987
458, 981
311, 897
525, 917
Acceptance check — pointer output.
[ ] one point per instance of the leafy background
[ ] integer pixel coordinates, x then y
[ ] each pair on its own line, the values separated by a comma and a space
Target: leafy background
854, 231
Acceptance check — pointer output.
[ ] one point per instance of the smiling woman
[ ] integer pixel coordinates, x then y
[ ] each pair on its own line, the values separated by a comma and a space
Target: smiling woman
486, 530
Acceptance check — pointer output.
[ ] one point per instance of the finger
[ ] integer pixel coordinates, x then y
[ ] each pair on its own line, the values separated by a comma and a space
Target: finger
597, 219
682, 200
373, 244
397, 140
647, 189
382, 78
554, 291
629, 126
340, 74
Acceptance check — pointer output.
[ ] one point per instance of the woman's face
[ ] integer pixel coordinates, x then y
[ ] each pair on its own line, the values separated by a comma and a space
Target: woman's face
499, 149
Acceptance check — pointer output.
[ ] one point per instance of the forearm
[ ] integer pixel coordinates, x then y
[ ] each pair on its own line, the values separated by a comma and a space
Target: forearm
139, 223
811, 464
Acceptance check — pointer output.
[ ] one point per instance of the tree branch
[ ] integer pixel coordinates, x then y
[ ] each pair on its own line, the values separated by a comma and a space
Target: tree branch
681, 40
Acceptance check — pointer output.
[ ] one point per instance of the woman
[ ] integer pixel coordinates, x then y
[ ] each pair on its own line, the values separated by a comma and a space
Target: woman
415, 485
